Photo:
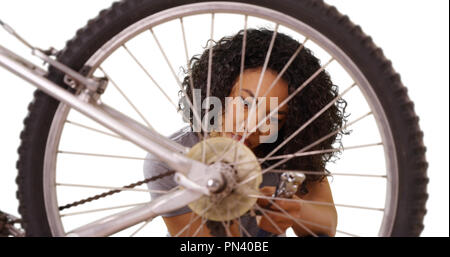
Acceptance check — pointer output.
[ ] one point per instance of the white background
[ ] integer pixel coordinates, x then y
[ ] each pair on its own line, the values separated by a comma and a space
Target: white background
413, 34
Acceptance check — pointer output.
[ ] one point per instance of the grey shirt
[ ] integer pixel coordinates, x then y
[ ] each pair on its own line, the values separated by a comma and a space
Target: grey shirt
153, 167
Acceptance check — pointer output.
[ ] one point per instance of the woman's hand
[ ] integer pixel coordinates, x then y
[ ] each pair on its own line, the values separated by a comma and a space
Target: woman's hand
275, 220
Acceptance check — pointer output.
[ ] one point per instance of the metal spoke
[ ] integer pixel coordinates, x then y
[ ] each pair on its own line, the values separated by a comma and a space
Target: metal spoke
323, 173
191, 81
194, 220
242, 228
309, 122
103, 155
298, 219
200, 228
269, 218
243, 52
165, 58
295, 220
261, 160
228, 221
101, 209
187, 226
126, 98
359, 207
227, 228
140, 228
261, 78
208, 87
317, 202
244, 48
190, 220
93, 129
266, 62
113, 188
320, 151
347, 233
148, 75
191, 106
306, 148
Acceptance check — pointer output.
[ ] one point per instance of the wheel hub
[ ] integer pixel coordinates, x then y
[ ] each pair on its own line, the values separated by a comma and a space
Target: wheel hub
235, 163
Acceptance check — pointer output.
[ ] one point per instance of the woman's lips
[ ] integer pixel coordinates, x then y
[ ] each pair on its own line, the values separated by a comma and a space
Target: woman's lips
239, 138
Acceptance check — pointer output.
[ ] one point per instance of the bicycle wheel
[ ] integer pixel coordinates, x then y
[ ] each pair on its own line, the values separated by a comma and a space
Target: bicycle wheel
107, 47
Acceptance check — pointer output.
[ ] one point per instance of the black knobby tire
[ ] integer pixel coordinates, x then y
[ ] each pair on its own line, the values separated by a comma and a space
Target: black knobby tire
386, 83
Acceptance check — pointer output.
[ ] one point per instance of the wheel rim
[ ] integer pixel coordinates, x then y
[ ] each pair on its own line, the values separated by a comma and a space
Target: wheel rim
137, 28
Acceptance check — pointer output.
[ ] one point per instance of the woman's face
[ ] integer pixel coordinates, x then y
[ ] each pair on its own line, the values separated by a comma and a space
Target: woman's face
250, 79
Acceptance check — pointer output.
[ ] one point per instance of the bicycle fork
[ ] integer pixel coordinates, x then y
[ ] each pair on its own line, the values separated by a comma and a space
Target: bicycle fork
89, 104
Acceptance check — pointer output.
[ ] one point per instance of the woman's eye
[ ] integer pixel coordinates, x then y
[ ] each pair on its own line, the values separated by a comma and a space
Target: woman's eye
246, 103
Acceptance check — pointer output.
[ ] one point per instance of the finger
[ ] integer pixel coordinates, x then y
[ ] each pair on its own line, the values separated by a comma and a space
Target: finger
273, 226
263, 202
280, 218
288, 206
267, 190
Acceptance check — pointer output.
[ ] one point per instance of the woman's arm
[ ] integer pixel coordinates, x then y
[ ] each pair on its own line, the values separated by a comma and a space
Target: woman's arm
322, 219
323, 215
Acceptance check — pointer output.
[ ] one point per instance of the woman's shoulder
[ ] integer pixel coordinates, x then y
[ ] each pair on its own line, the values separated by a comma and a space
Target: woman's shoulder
185, 137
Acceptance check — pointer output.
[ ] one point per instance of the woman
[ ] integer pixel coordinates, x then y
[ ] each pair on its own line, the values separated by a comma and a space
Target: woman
227, 82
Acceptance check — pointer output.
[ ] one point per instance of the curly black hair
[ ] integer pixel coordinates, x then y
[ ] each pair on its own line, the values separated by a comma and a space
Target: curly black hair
226, 63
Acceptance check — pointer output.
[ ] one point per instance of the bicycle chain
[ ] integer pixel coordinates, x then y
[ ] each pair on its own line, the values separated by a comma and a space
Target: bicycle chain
111, 192
216, 228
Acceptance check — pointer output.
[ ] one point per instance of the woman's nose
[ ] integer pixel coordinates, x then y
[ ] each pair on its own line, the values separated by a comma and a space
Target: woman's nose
253, 118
